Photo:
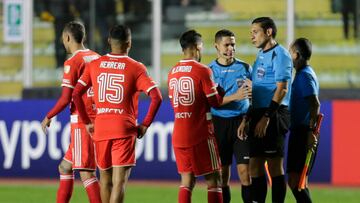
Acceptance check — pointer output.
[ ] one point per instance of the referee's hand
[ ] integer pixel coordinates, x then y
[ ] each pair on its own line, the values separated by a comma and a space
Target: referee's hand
312, 141
261, 126
241, 130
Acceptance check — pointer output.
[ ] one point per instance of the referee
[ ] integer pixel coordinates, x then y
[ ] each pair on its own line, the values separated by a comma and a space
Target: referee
304, 108
233, 75
270, 117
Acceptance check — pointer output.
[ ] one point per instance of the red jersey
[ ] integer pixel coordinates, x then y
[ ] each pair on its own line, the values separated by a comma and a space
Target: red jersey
73, 69
190, 86
117, 81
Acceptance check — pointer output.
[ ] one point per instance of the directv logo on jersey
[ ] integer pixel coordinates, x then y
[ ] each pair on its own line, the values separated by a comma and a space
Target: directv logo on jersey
183, 115
109, 110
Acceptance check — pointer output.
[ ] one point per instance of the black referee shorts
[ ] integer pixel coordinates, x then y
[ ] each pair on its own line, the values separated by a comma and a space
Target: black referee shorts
272, 144
297, 149
228, 143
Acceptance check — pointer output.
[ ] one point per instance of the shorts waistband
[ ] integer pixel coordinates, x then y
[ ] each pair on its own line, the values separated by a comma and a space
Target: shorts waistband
230, 118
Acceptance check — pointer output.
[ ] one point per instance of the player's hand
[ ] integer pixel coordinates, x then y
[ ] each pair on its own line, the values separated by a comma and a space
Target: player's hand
261, 126
241, 133
244, 92
312, 141
45, 123
141, 129
90, 128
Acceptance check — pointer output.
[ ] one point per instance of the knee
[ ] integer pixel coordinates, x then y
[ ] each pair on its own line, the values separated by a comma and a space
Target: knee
244, 175
293, 181
65, 168
84, 175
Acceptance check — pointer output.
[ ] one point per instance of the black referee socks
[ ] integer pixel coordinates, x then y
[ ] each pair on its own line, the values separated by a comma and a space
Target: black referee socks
302, 196
258, 189
246, 193
226, 194
278, 189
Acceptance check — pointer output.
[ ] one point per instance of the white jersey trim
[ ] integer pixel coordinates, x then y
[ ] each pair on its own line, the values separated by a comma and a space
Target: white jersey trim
150, 88
188, 60
66, 85
82, 82
117, 56
212, 94
77, 51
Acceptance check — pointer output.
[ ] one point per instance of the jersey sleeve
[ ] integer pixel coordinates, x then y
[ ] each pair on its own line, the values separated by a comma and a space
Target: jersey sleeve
144, 82
85, 78
283, 66
308, 86
208, 84
70, 74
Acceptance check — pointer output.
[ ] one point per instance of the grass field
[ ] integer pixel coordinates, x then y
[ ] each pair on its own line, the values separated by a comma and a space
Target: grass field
159, 192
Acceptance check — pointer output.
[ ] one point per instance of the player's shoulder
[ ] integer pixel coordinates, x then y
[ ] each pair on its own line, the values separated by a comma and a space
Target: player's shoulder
282, 51
242, 63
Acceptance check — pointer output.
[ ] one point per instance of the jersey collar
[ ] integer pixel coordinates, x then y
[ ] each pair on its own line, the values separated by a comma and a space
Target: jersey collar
116, 55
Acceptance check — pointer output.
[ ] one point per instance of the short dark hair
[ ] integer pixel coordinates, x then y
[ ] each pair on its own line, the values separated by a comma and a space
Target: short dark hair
190, 39
76, 29
223, 33
303, 47
266, 23
120, 32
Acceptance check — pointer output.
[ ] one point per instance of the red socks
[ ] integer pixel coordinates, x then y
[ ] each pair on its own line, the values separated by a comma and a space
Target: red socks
65, 188
215, 195
93, 190
184, 195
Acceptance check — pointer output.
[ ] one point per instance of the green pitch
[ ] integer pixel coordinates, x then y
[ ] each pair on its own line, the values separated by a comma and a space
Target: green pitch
158, 192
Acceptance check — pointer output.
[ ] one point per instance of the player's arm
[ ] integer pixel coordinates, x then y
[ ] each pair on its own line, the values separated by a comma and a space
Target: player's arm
146, 84
156, 99
314, 109
79, 90
61, 103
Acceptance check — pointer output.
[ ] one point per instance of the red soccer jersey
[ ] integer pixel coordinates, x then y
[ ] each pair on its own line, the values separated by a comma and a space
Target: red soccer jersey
117, 81
73, 69
190, 85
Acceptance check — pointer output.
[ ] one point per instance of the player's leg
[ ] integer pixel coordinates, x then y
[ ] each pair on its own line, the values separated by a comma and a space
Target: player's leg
205, 161
84, 161
244, 175
122, 159
242, 155
105, 184
91, 185
66, 178
297, 149
104, 163
259, 184
183, 163
224, 139
188, 181
225, 183
278, 179
120, 178
257, 160
214, 187
274, 150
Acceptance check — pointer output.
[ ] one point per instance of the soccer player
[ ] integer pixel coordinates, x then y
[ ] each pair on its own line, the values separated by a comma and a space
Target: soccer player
192, 93
304, 108
233, 75
270, 117
117, 81
80, 154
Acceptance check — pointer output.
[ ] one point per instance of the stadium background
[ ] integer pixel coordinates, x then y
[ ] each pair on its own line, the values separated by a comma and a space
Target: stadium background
27, 154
